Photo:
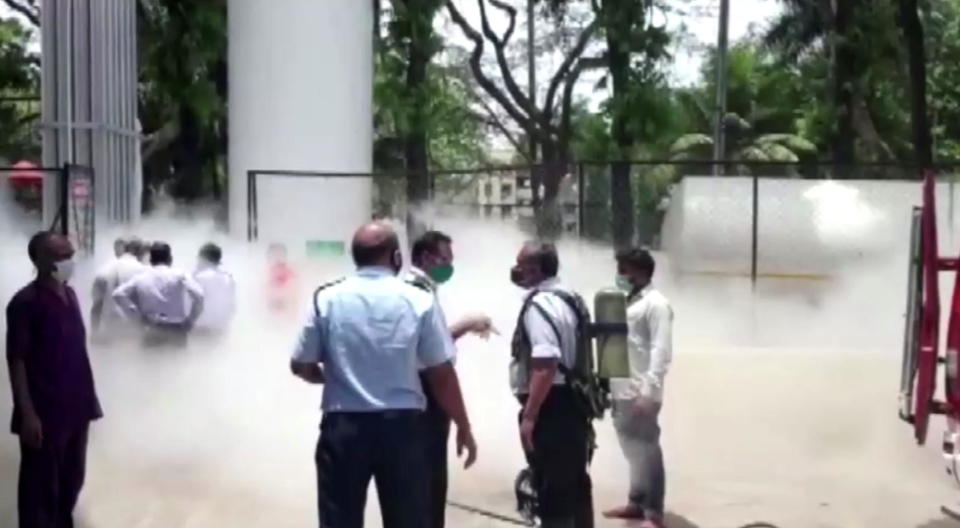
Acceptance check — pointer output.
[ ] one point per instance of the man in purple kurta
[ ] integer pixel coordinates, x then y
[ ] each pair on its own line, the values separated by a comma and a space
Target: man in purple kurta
53, 389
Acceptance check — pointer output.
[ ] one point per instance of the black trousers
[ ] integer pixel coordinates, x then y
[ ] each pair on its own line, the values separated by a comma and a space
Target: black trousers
51, 479
385, 446
559, 460
437, 434
162, 335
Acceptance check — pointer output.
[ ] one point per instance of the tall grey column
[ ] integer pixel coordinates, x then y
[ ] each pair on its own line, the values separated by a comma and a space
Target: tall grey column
301, 98
89, 101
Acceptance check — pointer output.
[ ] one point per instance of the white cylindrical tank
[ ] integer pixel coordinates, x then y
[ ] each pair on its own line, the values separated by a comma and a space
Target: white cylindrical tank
301, 98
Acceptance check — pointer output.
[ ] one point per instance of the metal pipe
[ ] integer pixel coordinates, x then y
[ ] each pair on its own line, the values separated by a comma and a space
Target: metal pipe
755, 232
581, 199
719, 131
70, 87
531, 74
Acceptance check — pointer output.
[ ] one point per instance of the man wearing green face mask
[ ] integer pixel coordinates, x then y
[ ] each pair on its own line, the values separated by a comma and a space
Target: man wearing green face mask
432, 265
638, 398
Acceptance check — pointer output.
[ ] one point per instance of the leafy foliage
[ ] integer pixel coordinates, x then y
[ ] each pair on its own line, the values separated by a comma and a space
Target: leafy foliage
19, 84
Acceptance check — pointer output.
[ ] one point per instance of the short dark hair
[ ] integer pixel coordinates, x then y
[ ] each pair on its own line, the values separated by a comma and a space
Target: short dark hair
160, 253
211, 252
368, 255
134, 246
428, 242
545, 254
37, 241
638, 258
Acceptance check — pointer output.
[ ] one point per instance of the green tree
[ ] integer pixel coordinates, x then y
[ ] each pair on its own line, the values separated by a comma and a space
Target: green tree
634, 49
912, 27
183, 95
412, 42
19, 87
548, 121
763, 98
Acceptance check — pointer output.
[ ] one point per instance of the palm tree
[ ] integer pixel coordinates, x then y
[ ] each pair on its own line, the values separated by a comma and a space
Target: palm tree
762, 98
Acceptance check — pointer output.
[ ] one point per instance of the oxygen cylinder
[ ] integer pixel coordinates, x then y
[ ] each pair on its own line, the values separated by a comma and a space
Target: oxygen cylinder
610, 331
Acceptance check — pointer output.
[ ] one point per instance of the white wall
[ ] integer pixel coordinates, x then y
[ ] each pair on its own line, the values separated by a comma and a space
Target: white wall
301, 90
806, 227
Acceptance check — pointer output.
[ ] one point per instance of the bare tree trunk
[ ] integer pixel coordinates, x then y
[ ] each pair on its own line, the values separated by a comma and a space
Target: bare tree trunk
844, 144
621, 192
415, 20
912, 28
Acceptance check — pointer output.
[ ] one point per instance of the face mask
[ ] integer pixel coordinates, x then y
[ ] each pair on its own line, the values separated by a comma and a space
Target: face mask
442, 273
516, 277
623, 283
63, 270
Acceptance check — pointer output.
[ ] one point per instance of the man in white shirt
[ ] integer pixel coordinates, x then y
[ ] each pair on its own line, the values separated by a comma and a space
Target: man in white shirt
554, 430
432, 265
219, 291
637, 399
158, 298
104, 312
119, 247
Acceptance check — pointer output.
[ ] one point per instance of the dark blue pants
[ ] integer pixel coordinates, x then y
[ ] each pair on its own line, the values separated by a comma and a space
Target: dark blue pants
385, 446
51, 479
437, 431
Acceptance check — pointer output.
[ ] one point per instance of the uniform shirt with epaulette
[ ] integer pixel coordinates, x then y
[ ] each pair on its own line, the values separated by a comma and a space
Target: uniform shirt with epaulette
419, 278
372, 332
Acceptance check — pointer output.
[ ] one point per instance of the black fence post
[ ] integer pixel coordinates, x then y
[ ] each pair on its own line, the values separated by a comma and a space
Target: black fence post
755, 230
64, 196
581, 199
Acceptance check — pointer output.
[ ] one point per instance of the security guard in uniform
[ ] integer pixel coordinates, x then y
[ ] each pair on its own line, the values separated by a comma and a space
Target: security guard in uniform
366, 338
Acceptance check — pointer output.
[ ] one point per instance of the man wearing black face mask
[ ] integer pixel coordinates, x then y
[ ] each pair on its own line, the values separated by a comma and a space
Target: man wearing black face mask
554, 430
366, 338
54, 398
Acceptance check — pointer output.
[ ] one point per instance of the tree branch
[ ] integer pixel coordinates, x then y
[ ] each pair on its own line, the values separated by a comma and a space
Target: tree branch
160, 139
29, 10
569, 61
492, 119
499, 45
488, 85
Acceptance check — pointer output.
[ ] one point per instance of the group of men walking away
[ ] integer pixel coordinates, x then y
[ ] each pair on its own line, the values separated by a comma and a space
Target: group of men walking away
384, 352
158, 302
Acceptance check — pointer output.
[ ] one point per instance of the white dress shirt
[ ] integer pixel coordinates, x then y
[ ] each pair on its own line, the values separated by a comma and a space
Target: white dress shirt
372, 332
650, 347
219, 297
544, 341
158, 295
112, 275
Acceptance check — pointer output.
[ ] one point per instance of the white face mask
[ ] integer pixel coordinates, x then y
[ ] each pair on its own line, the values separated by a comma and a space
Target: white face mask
63, 269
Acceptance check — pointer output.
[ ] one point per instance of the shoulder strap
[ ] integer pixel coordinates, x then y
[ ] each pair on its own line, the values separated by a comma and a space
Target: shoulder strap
316, 293
567, 373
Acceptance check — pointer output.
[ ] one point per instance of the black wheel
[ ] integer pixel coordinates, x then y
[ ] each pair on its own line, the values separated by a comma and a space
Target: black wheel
526, 496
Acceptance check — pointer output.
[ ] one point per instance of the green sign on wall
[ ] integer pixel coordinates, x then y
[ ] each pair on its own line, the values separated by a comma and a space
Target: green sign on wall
325, 248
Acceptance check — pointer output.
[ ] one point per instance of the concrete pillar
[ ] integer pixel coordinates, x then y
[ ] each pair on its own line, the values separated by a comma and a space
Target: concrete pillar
301, 99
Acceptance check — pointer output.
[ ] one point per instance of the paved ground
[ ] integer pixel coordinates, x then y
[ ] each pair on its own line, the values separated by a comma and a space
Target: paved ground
797, 439
797, 428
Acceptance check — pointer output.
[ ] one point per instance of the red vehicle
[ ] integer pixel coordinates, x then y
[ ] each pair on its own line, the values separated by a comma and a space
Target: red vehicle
25, 185
922, 359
